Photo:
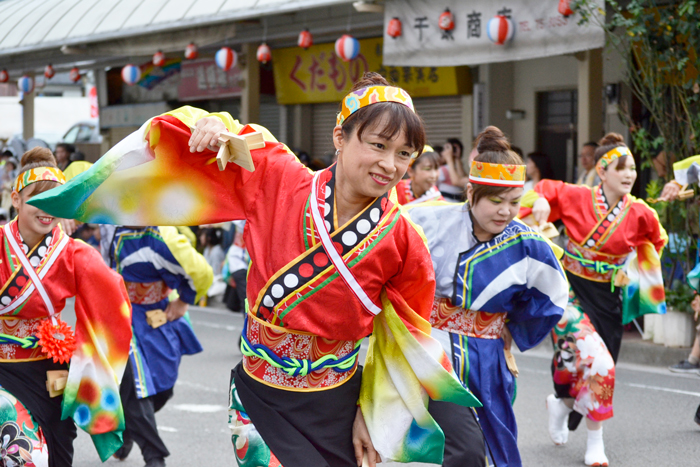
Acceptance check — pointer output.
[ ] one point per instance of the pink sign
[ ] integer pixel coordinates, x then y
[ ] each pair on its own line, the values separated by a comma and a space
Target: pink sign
94, 107
202, 79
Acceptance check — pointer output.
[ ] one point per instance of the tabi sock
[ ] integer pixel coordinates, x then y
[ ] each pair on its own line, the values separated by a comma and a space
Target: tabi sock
558, 415
595, 451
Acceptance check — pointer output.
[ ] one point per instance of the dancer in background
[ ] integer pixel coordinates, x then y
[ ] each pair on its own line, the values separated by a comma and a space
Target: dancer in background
604, 224
497, 281
333, 260
420, 186
41, 268
154, 261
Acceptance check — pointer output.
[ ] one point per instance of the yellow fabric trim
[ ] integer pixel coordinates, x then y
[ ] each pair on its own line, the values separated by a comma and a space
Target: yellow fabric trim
76, 168
191, 261
528, 199
22, 360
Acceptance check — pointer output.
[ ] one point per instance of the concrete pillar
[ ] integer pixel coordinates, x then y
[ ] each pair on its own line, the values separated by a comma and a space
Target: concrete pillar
301, 127
500, 85
590, 96
28, 112
250, 99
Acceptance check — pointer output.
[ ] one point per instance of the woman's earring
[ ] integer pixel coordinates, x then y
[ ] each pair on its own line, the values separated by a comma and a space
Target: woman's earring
337, 152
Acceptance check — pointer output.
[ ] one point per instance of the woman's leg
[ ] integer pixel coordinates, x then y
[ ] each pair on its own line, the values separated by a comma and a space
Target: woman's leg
595, 449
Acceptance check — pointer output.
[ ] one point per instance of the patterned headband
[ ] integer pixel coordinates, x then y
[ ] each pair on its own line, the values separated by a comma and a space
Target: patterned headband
505, 175
414, 156
612, 155
372, 95
39, 174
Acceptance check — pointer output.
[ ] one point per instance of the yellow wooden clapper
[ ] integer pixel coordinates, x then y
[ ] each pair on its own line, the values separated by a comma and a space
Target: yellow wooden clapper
56, 382
236, 148
156, 318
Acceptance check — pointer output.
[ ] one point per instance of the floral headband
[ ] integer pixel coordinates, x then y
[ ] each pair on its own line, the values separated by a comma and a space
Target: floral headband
39, 174
505, 175
372, 95
612, 155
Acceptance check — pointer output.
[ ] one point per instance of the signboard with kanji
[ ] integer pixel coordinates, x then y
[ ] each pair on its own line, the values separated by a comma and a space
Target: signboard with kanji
318, 75
202, 79
485, 31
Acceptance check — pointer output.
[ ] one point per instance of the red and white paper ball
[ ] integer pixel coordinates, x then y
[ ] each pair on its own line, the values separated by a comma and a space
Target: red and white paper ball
347, 47
191, 51
446, 21
49, 71
500, 29
226, 58
4, 76
131, 74
393, 29
159, 58
74, 74
305, 40
565, 8
264, 53
25, 84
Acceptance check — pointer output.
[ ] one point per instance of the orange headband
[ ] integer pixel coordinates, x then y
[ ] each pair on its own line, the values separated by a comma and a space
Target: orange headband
372, 95
505, 175
39, 174
612, 155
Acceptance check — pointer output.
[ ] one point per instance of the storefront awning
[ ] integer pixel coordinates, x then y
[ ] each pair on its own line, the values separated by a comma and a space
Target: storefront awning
37, 25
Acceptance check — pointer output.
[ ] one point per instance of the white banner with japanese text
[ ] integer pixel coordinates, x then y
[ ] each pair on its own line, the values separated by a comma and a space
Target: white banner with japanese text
484, 31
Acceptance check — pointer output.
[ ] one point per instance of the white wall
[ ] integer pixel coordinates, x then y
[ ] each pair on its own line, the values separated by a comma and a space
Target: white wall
53, 116
532, 76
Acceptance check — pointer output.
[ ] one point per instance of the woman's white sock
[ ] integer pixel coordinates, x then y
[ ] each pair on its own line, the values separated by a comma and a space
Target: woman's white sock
595, 452
558, 418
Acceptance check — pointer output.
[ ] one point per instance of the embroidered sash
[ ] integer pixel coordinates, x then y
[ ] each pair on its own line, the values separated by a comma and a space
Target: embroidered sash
295, 360
591, 264
316, 266
471, 323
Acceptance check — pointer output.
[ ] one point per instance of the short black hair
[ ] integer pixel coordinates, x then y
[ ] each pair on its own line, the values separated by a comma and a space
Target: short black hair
592, 144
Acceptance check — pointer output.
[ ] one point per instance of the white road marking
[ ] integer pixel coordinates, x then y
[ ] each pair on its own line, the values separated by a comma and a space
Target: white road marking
169, 429
216, 311
207, 324
200, 408
201, 387
657, 388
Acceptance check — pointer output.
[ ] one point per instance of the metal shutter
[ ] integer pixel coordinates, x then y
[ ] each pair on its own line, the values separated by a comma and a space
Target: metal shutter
322, 123
442, 117
270, 114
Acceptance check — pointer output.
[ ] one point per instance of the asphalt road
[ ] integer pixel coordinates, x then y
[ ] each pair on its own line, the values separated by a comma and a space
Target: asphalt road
653, 425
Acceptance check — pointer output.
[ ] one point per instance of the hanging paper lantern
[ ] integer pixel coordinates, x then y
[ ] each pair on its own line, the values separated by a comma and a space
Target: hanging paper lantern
264, 54
131, 74
500, 29
565, 8
191, 51
25, 84
305, 39
446, 21
226, 58
74, 74
4, 76
49, 71
347, 47
159, 58
393, 29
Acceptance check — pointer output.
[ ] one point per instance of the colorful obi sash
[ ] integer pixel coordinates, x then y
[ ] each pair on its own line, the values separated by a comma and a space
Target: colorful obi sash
147, 293
18, 341
470, 323
591, 264
295, 360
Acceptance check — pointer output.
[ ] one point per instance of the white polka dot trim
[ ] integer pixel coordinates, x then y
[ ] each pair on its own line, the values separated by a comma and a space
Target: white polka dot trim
267, 301
590, 242
328, 225
438, 252
326, 209
611, 217
349, 238
616, 211
41, 250
35, 261
5, 300
328, 192
363, 226
291, 280
374, 214
277, 291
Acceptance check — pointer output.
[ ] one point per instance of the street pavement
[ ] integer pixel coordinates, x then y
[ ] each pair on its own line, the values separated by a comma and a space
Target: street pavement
653, 423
